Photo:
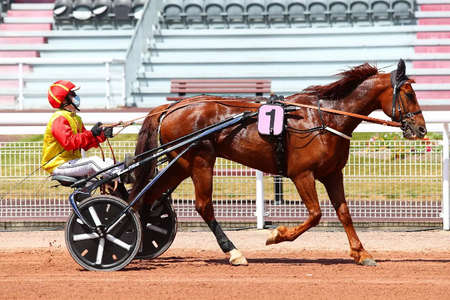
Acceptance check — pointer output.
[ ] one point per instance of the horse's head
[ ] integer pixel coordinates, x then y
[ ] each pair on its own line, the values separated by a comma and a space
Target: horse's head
400, 103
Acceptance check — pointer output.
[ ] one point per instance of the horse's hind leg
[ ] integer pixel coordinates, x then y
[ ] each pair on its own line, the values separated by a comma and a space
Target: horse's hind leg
306, 187
334, 185
202, 174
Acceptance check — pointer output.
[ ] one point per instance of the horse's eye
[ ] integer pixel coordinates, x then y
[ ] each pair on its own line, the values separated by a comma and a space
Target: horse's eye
409, 95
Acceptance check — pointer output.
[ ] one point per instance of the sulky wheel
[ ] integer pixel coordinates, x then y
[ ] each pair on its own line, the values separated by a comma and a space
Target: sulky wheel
159, 227
103, 249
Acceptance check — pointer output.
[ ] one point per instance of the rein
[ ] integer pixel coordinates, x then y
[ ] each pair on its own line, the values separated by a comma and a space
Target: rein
340, 112
329, 110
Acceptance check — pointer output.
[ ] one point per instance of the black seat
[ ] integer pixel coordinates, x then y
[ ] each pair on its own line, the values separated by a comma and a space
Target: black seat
66, 180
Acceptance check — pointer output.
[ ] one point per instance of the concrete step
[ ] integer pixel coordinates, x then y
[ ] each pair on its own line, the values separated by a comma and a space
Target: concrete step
21, 20
433, 95
436, 21
26, 27
433, 35
33, 6
12, 70
432, 79
432, 49
432, 14
19, 54
431, 64
22, 40
7, 102
30, 14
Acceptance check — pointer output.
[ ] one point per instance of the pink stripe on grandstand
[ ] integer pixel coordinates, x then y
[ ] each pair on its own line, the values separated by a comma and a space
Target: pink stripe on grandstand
432, 49
437, 21
431, 64
19, 54
431, 79
14, 68
433, 95
22, 40
26, 27
30, 13
9, 84
7, 100
435, 7
433, 35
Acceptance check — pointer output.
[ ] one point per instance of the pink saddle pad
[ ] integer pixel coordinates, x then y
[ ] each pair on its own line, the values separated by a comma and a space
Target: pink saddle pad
270, 119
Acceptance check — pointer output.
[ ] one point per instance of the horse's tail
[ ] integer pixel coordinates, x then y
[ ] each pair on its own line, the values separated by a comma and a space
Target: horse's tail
147, 139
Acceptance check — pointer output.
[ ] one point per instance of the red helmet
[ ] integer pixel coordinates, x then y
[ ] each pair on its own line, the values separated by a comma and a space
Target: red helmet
58, 91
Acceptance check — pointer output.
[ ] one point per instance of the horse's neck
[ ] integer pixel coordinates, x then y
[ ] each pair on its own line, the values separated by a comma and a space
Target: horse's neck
361, 101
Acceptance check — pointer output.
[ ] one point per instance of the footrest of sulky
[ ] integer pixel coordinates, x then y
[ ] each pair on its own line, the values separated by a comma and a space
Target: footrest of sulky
65, 180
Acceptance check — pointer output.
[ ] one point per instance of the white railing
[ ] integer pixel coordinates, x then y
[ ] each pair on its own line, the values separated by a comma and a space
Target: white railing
395, 180
142, 37
23, 77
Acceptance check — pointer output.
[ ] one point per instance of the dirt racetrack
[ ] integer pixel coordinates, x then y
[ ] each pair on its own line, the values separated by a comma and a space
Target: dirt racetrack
411, 265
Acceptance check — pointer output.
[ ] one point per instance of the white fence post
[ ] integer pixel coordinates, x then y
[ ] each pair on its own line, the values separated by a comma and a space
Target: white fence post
445, 175
259, 200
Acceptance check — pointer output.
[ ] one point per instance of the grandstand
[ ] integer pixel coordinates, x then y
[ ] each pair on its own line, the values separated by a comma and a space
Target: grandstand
294, 43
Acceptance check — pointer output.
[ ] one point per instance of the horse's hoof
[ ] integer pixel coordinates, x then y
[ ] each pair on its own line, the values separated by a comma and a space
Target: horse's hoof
272, 237
368, 262
237, 259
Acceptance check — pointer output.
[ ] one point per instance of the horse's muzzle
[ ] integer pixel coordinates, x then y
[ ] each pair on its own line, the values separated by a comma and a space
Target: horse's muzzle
411, 131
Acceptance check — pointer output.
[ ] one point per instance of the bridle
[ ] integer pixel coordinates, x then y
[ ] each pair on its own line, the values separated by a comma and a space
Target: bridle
398, 103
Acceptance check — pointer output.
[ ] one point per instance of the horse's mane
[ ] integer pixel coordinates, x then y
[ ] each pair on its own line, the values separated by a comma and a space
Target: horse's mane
344, 86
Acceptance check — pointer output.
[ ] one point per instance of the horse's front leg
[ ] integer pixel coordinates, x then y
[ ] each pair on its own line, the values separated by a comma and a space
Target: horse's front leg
334, 185
306, 187
202, 173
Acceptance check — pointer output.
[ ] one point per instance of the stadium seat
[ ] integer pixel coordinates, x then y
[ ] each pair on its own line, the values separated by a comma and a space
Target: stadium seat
297, 13
359, 12
173, 15
381, 12
339, 13
403, 12
138, 8
215, 10
256, 13
193, 10
62, 10
101, 7
318, 12
101, 10
235, 13
276, 13
82, 9
122, 10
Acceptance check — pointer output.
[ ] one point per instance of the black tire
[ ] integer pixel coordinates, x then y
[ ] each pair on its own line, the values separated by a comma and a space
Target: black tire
159, 228
120, 245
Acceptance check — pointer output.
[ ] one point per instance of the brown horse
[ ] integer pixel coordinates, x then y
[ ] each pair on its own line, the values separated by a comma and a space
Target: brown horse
309, 156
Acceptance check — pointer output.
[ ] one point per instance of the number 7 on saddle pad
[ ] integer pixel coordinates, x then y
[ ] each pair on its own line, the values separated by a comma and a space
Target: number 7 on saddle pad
270, 119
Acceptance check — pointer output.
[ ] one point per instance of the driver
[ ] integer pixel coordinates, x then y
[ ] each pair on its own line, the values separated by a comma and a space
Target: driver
65, 136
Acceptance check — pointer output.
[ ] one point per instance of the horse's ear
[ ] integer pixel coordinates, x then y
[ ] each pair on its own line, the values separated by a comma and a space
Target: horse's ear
401, 70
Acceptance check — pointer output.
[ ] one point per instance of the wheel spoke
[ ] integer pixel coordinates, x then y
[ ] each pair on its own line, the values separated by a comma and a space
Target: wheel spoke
156, 228
101, 247
94, 216
85, 236
118, 242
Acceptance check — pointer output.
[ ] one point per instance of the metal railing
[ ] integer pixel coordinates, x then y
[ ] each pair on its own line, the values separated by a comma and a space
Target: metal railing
395, 180
143, 35
21, 77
